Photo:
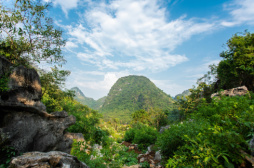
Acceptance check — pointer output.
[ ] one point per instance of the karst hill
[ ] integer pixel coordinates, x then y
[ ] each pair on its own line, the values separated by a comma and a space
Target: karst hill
132, 93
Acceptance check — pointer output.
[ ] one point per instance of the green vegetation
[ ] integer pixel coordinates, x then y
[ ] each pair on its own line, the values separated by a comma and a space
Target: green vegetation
213, 135
6, 151
237, 66
133, 93
90, 102
142, 135
182, 95
204, 131
213, 132
27, 35
115, 156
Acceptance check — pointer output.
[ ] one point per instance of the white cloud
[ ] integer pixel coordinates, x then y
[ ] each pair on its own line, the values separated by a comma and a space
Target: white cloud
133, 34
241, 12
66, 5
94, 84
70, 45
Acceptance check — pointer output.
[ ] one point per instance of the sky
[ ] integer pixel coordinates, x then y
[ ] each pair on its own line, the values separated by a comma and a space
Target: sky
172, 42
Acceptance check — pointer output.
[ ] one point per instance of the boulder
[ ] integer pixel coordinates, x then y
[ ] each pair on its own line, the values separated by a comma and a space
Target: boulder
46, 160
157, 156
239, 91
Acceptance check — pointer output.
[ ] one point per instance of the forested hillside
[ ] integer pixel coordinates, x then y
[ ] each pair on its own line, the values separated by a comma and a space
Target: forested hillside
183, 95
90, 102
133, 93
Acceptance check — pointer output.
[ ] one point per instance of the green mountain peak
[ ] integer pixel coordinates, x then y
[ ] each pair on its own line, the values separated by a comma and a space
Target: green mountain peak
133, 93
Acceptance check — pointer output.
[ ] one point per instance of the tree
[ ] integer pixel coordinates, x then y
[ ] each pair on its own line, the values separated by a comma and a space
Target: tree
237, 66
140, 116
27, 35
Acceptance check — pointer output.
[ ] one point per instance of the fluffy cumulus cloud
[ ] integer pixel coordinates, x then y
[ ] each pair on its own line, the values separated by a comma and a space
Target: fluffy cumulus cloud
241, 12
94, 84
132, 34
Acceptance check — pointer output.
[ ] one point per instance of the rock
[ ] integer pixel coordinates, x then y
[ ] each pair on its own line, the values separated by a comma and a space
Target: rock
32, 132
97, 147
142, 160
239, 91
252, 146
150, 148
24, 122
162, 129
66, 142
24, 87
46, 160
157, 156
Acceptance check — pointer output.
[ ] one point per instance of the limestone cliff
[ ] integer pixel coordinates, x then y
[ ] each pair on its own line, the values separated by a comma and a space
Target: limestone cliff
24, 122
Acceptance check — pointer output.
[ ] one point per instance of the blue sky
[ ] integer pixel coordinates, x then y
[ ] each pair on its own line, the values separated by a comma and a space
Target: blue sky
171, 42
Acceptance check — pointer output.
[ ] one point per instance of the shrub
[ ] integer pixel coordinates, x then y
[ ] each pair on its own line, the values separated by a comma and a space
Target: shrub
214, 136
142, 135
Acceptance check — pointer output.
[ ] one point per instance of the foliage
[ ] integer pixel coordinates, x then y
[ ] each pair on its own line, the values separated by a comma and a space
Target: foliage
171, 139
27, 35
51, 83
155, 118
113, 156
141, 116
133, 93
90, 102
6, 151
213, 136
3, 83
145, 165
142, 135
237, 67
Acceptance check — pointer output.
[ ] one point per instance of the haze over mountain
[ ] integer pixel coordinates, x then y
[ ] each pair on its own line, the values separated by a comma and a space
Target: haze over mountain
90, 102
132, 93
183, 95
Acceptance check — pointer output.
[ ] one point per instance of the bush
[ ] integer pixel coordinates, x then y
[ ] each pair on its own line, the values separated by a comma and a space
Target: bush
114, 156
214, 135
142, 135
173, 138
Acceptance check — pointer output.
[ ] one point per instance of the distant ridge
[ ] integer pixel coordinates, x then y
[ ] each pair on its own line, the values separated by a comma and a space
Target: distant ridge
132, 93
90, 102
183, 95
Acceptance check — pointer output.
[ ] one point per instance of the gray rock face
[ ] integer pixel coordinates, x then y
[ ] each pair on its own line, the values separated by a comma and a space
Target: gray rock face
24, 87
32, 132
239, 91
24, 122
46, 160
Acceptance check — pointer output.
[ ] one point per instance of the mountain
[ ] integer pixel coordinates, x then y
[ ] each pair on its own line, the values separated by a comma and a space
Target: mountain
132, 93
90, 102
183, 95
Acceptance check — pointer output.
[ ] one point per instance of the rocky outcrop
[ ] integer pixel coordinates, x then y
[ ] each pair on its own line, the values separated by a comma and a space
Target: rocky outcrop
24, 122
24, 88
239, 91
46, 160
162, 129
32, 132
